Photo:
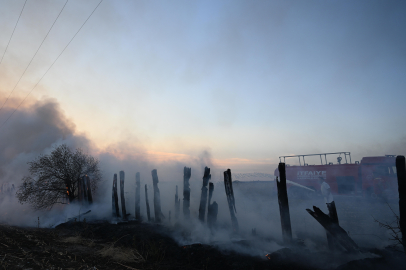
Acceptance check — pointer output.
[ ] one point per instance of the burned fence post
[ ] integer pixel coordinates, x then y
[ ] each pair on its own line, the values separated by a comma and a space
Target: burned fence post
284, 205
137, 196
89, 190
147, 203
212, 209
187, 172
157, 197
116, 210
123, 210
401, 173
177, 204
84, 190
203, 198
228, 185
334, 229
332, 213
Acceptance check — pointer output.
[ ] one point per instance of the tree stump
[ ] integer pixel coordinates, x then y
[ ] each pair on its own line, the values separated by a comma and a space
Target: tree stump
137, 196
212, 209
157, 197
116, 210
123, 210
228, 184
147, 203
334, 229
187, 172
401, 173
203, 197
177, 204
284, 205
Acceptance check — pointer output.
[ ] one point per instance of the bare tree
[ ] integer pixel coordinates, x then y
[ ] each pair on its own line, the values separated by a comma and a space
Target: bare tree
55, 177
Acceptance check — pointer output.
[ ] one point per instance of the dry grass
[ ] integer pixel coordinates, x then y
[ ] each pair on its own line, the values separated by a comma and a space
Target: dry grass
121, 254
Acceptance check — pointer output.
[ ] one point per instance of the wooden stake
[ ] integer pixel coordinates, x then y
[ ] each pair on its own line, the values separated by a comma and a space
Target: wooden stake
401, 173
284, 205
203, 197
212, 209
123, 210
177, 204
137, 196
228, 184
147, 203
116, 210
187, 172
89, 190
157, 197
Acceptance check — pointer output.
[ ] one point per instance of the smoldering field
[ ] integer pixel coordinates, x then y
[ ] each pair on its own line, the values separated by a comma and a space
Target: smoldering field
38, 128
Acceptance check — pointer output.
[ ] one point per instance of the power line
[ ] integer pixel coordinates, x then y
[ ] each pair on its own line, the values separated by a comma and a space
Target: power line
15, 26
12, 91
51, 65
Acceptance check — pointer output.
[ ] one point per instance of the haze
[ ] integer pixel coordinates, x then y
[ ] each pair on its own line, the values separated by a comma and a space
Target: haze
242, 82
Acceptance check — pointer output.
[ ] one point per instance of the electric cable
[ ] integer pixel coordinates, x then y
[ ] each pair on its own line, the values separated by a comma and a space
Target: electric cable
50, 66
15, 26
12, 91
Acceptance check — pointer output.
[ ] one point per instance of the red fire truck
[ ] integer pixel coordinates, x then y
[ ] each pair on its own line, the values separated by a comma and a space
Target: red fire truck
372, 177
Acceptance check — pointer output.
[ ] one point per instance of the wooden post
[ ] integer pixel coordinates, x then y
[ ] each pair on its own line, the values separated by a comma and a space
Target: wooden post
203, 197
157, 197
116, 210
147, 203
228, 184
80, 190
123, 210
212, 209
284, 205
401, 173
89, 190
177, 204
84, 189
334, 229
137, 196
187, 172
332, 213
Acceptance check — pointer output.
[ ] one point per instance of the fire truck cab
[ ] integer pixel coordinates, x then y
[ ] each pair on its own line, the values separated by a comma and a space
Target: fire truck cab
372, 177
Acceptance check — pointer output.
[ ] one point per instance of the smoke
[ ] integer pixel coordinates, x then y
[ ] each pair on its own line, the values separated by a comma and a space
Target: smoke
40, 126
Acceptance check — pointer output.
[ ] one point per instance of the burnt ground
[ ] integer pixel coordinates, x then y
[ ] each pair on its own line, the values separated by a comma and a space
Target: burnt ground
136, 245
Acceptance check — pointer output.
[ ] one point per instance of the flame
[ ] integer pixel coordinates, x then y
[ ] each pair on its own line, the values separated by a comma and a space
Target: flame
268, 256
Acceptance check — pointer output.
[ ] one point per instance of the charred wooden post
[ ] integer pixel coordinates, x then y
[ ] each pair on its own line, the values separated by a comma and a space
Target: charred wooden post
80, 190
284, 205
187, 172
89, 190
334, 229
177, 204
147, 203
84, 190
116, 210
123, 210
203, 197
401, 172
137, 196
212, 209
157, 197
228, 184
332, 213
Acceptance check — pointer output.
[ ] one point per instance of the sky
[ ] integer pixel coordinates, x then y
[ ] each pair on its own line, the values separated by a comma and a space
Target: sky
241, 82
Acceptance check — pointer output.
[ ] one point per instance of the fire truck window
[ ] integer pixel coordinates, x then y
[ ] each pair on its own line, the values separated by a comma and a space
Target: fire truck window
380, 171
